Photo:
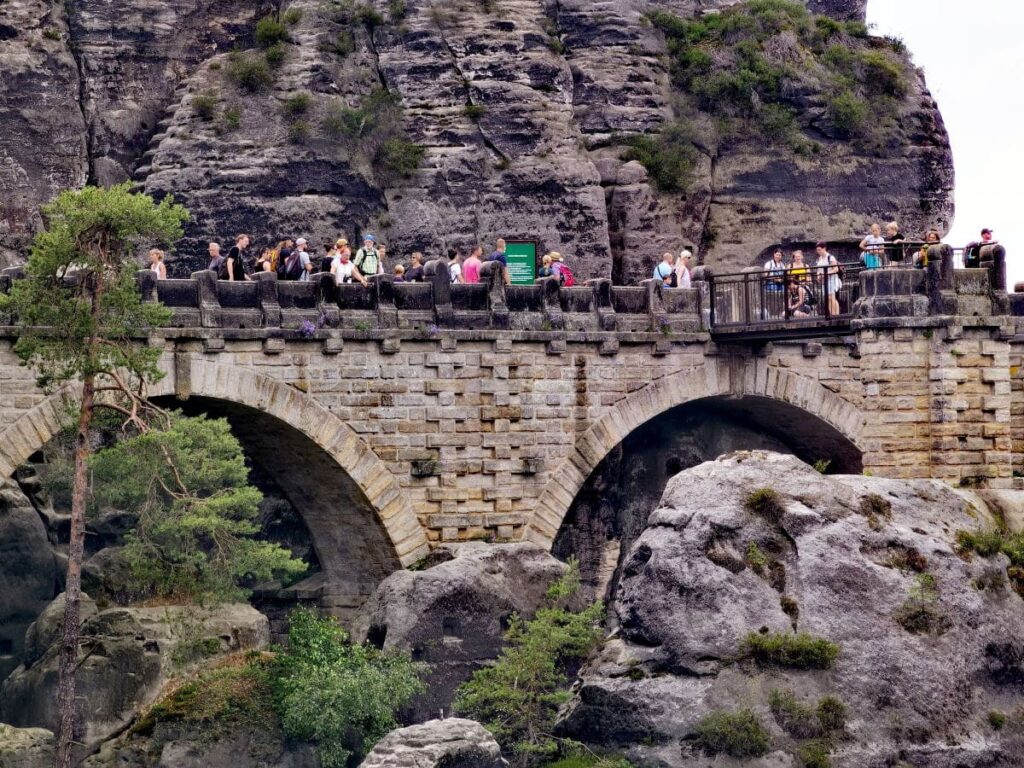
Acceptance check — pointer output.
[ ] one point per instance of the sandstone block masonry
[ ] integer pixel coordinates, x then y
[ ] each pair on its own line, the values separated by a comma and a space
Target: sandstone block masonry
466, 412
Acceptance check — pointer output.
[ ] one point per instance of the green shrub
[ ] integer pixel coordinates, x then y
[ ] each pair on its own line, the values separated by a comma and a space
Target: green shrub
231, 118
590, 760
765, 503
814, 754
298, 132
518, 697
274, 55
270, 31
848, 113
669, 157
794, 717
344, 44
832, 713
737, 734
800, 651
997, 720
985, 543
474, 111
398, 156
369, 17
292, 16
52, 33
297, 104
756, 558
397, 10
249, 72
340, 696
921, 612
205, 104
876, 509
884, 74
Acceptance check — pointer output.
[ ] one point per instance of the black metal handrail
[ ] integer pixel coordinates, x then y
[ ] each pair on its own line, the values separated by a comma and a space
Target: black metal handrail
798, 295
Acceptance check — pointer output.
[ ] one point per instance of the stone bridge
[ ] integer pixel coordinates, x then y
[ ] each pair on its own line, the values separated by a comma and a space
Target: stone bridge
403, 415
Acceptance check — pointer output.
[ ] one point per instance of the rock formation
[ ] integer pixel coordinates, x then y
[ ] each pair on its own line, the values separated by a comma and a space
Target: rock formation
127, 655
451, 615
451, 743
519, 107
25, 747
858, 561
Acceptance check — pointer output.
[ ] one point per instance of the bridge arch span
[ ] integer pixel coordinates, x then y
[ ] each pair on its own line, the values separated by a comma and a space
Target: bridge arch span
194, 377
713, 381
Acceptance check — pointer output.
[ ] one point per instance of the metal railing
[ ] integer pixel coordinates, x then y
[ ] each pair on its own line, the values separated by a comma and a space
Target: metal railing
798, 295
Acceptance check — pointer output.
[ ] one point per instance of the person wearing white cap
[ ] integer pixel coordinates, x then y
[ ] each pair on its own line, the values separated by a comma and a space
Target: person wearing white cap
304, 260
683, 269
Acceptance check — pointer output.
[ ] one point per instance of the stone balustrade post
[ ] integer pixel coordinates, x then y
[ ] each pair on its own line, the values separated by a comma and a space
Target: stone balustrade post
267, 297
436, 273
327, 299
383, 287
145, 279
209, 302
551, 301
493, 276
603, 306
654, 304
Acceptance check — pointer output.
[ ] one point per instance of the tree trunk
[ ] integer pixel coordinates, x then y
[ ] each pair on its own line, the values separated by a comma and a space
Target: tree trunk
73, 588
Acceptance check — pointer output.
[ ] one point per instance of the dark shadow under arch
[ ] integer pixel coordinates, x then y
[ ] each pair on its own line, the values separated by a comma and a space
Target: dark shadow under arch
612, 507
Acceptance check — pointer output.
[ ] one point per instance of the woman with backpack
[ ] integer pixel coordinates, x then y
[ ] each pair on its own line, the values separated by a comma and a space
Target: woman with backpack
559, 268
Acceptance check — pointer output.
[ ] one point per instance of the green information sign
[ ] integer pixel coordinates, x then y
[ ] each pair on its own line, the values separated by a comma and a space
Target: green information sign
522, 261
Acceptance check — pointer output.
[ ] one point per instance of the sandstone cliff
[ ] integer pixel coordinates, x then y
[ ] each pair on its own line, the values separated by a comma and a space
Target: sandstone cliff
520, 107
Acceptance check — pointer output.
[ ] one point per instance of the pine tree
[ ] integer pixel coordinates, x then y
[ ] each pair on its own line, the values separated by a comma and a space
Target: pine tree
81, 318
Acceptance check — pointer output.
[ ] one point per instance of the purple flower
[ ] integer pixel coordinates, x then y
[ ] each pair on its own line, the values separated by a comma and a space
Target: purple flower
307, 329
431, 330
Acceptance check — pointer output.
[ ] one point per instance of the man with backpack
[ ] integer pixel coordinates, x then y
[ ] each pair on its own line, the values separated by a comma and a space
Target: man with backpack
368, 259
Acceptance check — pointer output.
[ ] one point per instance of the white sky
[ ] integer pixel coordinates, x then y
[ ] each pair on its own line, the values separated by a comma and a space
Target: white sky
973, 57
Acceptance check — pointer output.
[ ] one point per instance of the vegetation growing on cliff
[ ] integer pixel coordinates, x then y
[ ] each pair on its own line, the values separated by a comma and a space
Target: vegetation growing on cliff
799, 651
773, 68
517, 698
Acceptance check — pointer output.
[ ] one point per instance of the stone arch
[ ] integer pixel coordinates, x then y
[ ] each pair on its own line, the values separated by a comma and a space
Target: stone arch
713, 379
245, 387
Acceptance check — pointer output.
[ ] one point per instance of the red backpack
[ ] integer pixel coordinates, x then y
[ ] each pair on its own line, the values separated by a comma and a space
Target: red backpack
568, 278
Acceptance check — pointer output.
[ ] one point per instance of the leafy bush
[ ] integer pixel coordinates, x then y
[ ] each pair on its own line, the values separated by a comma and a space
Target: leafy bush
756, 558
518, 697
848, 113
985, 543
668, 157
474, 111
766, 503
292, 16
231, 118
270, 31
197, 514
590, 760
52, 33
205, 104
298, 132
737, 734
921, 612
369, 17
340, 696
398, 156
397, 10
876, 509
814, 754
997, 720
344, 44
251, 73
297, 104
831, 713
274, 55
800, 651
797, 719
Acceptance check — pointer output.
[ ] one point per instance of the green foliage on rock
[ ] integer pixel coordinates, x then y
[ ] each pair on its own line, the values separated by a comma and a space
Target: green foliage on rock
669, 157
340, 696
921, 613
197, 514
250, 72
270, 31
766, 63
373, 132
205, 104
737, 734
297, 104
765, 503
517, 698
798, 651
398, 156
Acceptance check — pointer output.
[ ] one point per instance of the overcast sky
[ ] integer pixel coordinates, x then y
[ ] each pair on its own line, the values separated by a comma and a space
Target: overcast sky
973, 57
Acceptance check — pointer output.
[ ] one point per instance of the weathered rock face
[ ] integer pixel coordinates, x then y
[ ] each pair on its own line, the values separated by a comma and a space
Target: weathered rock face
451, 616
25, 747
845, 555
28, 572
451, 743
126, 656
518, 105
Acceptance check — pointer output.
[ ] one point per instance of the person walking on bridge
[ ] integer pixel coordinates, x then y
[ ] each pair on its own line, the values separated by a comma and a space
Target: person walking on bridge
828, 276
368, 259
665, 270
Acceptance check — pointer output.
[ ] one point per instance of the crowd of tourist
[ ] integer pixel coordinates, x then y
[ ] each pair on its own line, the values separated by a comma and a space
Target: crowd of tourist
292, 260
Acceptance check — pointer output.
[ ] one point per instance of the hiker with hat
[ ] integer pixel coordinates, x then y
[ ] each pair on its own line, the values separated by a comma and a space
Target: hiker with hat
368, 259
560, 270
972, 253
303, 262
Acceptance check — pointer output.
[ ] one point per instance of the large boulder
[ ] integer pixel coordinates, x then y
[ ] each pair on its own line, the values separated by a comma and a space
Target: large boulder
28, 572
126, 657
25, 747
45, 630
451, 743
840, 560
451, 616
